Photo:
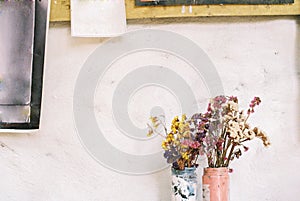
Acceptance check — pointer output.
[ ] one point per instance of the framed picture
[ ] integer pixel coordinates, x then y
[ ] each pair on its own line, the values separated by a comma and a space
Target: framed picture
22, 47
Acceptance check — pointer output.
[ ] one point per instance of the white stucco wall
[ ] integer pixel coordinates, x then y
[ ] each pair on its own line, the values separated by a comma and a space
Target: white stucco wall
254, 56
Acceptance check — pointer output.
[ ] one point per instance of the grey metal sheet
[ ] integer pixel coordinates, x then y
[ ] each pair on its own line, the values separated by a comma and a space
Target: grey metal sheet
16, 39
23, 25
15, 114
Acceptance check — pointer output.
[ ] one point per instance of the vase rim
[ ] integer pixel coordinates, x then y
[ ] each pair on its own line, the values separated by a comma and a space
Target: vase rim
185, 170
216, 167
219, 170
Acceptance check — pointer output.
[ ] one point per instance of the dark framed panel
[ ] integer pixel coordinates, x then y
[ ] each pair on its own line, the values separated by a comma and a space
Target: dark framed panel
22, 51
207, 2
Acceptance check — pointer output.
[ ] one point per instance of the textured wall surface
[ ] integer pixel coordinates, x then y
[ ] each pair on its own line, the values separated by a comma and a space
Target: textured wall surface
253, 56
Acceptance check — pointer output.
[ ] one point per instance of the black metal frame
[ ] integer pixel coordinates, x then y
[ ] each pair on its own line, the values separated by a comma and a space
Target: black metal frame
40, 28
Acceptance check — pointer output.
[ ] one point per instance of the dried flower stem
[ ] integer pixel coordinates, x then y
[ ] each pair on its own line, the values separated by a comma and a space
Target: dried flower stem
230, 154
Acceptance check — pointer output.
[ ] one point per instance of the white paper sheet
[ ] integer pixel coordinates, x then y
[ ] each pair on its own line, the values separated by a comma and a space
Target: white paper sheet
98, 18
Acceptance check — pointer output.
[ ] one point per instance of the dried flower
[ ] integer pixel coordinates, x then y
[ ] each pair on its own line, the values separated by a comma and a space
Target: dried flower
220, 134
228, 130
182, 143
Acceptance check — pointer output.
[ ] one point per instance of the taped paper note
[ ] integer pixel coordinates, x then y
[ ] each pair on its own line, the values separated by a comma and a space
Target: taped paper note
98, 18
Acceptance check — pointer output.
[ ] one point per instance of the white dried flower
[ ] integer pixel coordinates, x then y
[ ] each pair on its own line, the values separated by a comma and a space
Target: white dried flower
233, 106
232, 134
249, 134
236, 139
227, 117
233, 125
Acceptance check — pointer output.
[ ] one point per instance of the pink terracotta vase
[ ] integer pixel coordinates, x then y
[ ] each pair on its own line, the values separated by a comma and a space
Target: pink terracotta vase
215, 184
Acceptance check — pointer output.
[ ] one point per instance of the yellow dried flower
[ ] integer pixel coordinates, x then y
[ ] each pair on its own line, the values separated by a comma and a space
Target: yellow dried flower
176, 142
170, 138
173, 128
175, 120
186, 134
150, 132
164, 145
181, 127
153, 120
185, 156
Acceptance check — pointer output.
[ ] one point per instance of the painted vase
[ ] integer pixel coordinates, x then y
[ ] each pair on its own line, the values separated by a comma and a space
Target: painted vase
184, 185
215, 184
